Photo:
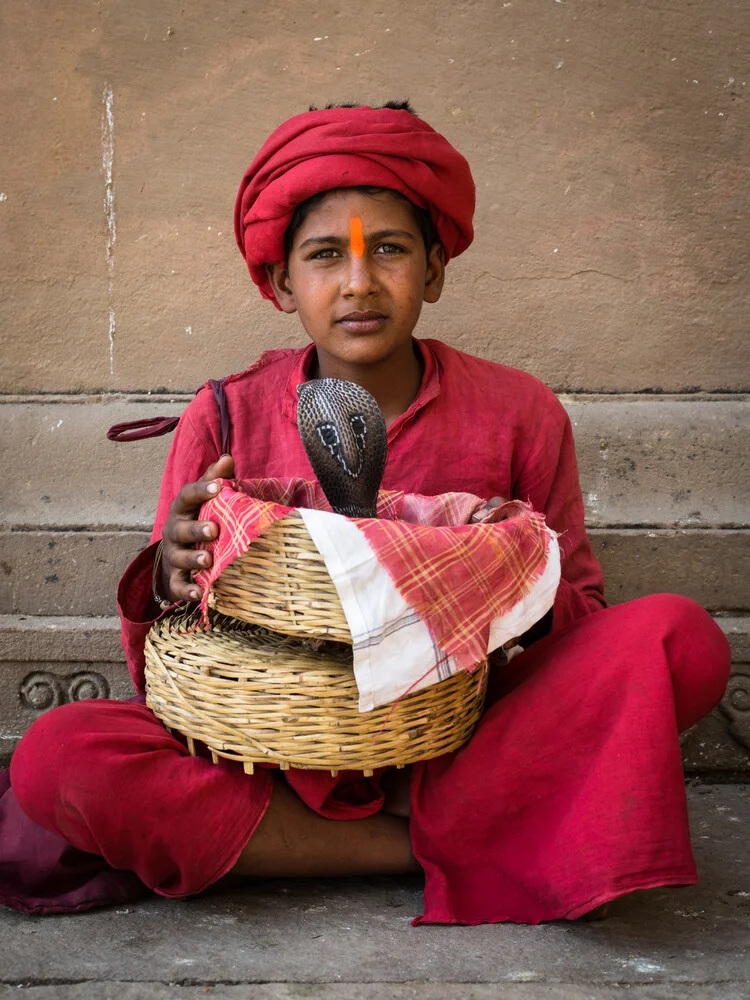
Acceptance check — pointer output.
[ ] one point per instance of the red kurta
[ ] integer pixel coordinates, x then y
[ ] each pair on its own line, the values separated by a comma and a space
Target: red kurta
570, 792
475, 427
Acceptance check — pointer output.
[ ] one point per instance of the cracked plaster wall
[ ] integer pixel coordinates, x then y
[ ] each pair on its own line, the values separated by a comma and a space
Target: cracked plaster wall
610, 145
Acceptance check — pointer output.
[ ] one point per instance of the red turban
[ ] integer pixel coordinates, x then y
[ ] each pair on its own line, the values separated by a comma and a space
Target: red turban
347, 147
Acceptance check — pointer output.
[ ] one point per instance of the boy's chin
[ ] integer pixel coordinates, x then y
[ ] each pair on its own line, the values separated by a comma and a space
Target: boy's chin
364, 350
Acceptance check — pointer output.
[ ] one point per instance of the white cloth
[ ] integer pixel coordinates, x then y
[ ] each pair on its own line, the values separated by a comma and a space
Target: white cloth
394, 653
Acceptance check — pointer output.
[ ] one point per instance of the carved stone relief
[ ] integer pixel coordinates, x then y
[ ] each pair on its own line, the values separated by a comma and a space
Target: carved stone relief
735, 706
42, 689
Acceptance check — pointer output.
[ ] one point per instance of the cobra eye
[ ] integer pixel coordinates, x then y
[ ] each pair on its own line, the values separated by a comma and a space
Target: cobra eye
359, 424
328, 435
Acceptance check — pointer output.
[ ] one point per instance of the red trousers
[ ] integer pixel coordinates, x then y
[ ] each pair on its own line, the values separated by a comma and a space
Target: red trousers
569, 794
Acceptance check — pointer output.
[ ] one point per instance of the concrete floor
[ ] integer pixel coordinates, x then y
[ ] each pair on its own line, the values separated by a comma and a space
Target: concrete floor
352, 940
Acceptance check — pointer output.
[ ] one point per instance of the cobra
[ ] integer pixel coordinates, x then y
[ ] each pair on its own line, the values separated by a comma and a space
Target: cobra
344, 435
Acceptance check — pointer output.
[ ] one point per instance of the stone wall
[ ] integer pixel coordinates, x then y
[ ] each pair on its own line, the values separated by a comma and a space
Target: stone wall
611, 149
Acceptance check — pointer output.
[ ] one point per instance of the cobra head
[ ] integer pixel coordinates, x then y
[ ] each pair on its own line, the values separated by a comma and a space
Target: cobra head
344, 435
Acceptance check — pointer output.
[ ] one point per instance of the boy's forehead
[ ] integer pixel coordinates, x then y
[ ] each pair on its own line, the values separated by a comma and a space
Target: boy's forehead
337, 207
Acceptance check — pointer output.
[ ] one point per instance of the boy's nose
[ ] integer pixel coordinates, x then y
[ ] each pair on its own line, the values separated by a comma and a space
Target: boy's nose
359, 279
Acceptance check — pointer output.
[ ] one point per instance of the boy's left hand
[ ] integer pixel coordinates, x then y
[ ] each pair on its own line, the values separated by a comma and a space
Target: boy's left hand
183, 531
483, 513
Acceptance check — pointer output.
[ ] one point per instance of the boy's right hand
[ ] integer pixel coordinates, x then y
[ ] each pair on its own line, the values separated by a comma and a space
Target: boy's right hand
183, 530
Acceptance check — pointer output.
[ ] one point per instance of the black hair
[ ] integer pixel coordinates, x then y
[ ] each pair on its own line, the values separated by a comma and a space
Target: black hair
390, 105
421, 215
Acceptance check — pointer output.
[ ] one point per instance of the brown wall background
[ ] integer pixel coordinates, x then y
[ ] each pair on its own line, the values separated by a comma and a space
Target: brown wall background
609, 142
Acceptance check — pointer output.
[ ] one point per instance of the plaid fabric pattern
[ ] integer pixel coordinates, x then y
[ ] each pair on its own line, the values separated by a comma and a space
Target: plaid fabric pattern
457, 577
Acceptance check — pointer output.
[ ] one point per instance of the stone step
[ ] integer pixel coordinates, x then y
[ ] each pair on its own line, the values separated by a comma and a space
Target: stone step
64, 572
644, 461
76, 572
350, 939
46, 661
708, 565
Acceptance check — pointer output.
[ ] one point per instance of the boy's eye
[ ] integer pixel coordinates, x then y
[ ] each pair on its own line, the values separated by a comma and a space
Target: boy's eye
330, 253
389, 248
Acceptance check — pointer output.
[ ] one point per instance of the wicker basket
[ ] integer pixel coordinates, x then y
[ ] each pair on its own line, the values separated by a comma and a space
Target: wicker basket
251, 695
282, 583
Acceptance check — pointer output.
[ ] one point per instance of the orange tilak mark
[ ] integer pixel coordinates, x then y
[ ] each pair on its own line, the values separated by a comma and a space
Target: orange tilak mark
356, 236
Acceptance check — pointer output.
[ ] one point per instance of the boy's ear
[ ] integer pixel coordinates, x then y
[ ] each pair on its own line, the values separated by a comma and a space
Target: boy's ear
279, 278
435, 277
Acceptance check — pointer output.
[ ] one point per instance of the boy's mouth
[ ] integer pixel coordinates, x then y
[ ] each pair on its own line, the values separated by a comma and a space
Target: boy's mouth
363, 322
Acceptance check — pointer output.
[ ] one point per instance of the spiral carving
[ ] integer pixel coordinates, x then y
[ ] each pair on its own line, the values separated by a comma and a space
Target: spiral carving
42, 689
735, 707
87, 684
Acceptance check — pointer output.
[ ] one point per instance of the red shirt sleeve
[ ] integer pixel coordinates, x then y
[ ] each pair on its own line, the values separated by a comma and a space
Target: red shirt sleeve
549, 481
189, 457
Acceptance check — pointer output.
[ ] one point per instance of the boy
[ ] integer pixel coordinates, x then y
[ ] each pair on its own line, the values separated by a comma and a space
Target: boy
571, 792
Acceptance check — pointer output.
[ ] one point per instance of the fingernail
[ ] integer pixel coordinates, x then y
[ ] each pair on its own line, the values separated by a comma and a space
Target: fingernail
203, 559
212, 488
208, 531
195, 595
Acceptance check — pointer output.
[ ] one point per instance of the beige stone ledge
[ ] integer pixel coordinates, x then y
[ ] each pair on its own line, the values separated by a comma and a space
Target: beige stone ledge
46, 661
708, 565
37, 638
76, 572
62, 572
50, 661
89, 637
646, 460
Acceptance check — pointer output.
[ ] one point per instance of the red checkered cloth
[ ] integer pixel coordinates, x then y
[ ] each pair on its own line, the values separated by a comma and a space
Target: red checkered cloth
458, 577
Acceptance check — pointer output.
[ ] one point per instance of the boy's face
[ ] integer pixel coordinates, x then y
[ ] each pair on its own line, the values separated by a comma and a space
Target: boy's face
358, 274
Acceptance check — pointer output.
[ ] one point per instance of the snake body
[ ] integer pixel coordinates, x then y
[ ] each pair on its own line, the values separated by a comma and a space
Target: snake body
344, 435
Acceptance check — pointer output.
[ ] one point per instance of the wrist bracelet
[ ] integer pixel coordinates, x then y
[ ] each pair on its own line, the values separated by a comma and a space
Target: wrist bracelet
162, 602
